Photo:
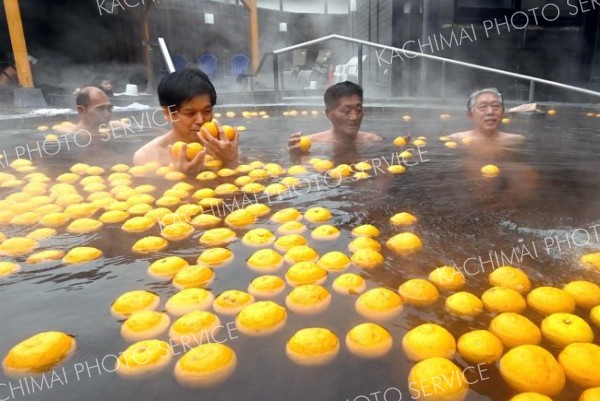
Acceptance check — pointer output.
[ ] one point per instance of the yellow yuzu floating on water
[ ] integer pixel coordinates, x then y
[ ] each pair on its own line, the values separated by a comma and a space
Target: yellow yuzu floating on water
291, 182
369, 340
490, 170
450, 385
217, 236
322, 166
150, 244
167, 268
266, 286
197, 325
216, 256
56, 219
532, 368
399, 141
407, 154
404, 243
396, 169
366, 230
38, 353
134, 301
510, 277
138, 224
308, 299
514, 330
591, 394
204, 193
206, 365
189, 300
427, 341
231, 302
297, 170
418, 292
68, 178
325, 232
551, 112
144, 358
334, 261
305, 272
42, 234
193, 276
349, 284
25, 219
177, 231
6, 216
451, 144
301, 253
480, 346
367, 258
585, 293
226, 189
210, 203
139, 209
292, 227
591, 260
403, 219
580, 363
464, 304
240, 218
176, 148
253, 188
45, 256
285, 215
419, 142
84, 225
258, 237
205, 220
258, 209
548, 300
379, 304
261, 318
503, 299
317, 214
144, 325
312, 346
289, 241
265, 260
562, 329
7, 268
258, 174
363, 243
17, 246
447, 278
206, 176
361, 175
362, 166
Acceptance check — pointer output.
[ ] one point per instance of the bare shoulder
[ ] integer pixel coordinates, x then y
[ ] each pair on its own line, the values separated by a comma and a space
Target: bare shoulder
155, 150
323, 136
368, 137
460, 135
509, 138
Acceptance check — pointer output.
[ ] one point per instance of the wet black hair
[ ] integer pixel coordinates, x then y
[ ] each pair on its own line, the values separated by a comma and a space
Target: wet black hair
182, 86
339, 90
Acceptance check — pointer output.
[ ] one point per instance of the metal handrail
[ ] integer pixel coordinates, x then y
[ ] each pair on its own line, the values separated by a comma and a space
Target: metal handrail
361, 43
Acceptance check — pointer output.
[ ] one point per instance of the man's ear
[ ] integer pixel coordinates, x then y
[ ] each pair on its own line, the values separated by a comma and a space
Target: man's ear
168, 113
469, 115
327, 112
80, 110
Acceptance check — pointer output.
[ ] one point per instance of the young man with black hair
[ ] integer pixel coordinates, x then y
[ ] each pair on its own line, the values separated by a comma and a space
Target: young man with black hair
187, 98
344, 109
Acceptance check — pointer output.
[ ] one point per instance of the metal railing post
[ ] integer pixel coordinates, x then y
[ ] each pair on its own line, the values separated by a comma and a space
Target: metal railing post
443, 91
276, 77
360, 65
531, 91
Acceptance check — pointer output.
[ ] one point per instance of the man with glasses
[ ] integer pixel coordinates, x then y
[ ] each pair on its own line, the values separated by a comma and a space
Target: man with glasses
485, 110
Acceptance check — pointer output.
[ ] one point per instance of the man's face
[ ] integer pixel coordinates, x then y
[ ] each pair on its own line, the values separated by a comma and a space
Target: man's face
99, 110
487, 113
188, 119
347, 115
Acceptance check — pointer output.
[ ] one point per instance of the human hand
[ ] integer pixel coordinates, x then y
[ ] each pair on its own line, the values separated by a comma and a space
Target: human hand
221, 148
191, 167
294, 143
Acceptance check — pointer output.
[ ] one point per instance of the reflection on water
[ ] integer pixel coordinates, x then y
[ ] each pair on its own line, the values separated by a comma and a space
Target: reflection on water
548, 187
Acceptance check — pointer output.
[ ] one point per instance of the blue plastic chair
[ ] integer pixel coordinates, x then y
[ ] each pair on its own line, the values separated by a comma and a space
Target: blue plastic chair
208, 63
180, 62
239, 64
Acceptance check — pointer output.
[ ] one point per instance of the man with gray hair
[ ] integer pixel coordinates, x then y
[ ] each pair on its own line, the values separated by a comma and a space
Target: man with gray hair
485, 109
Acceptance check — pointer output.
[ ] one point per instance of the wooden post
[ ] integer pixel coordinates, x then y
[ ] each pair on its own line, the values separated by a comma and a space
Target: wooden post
252, 7
17, 39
